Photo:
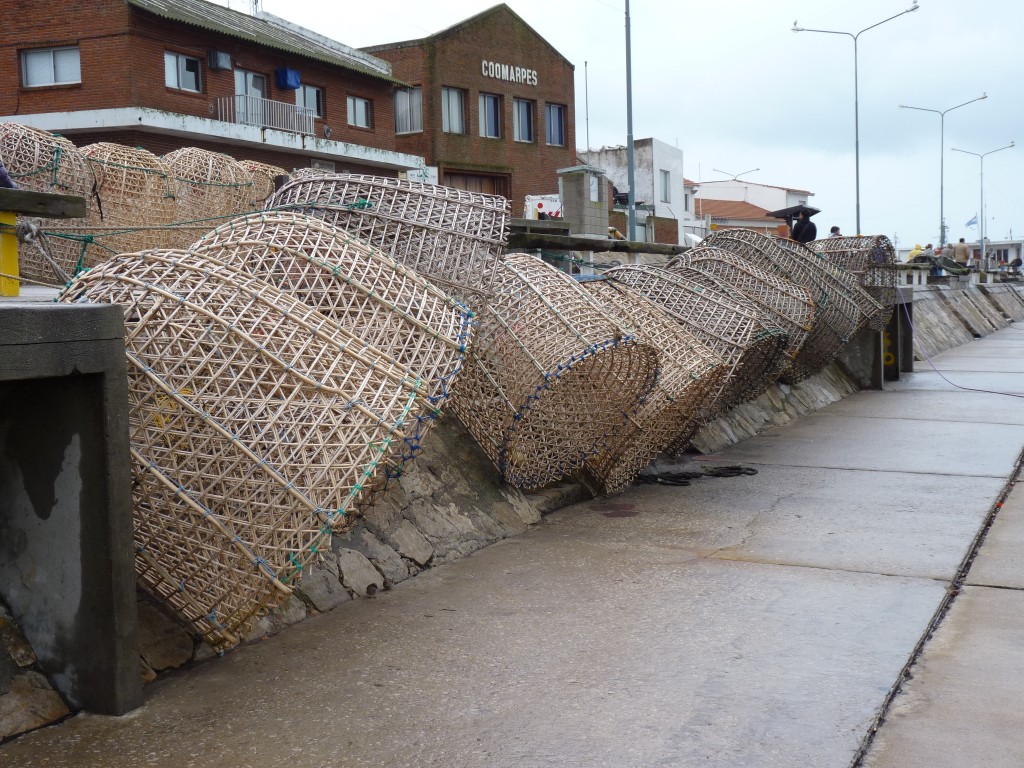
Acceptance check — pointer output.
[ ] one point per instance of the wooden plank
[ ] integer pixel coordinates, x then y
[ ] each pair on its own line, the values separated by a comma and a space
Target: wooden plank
530, 240
46, 205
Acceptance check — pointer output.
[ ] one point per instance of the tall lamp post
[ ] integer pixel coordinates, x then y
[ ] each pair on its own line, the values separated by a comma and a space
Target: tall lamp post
942, 158
981, 157
856, 88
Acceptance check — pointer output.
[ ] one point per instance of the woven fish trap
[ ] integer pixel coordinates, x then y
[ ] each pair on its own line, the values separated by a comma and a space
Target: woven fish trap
209, 187
253, 420
872, 261
728, 324
413, 323
549, 377
691, 375
454, 237
263, 175
836, 313
783, 303
135, 198
40, 161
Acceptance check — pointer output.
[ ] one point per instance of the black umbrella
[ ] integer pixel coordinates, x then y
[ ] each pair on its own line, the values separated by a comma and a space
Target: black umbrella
793, 211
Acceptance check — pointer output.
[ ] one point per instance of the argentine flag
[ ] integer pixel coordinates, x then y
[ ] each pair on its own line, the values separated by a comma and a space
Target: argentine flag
973, 222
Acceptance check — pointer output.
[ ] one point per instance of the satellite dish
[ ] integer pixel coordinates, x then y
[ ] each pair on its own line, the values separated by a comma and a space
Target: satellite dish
327, 131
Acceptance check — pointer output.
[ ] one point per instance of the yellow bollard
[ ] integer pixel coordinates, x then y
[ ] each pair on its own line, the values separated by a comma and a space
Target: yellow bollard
8, 256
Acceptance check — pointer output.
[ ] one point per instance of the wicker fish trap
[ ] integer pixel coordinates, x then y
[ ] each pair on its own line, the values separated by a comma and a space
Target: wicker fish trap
40, 161
253, 421
550, 376
135, 198
263, 176
691, 375
872, 261
414, 324
209, 187
783, 303
448, 235
728, 324
836, 313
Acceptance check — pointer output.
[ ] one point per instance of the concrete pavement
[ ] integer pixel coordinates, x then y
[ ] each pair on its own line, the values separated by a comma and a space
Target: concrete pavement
760, 620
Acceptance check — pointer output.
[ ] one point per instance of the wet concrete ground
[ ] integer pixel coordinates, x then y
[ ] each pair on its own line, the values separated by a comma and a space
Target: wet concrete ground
750, 621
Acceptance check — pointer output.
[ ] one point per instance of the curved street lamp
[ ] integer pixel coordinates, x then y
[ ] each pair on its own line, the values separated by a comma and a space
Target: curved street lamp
942, 158
981, 157
856, 87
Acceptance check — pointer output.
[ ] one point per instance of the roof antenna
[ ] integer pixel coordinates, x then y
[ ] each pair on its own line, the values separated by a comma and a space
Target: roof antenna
255, 7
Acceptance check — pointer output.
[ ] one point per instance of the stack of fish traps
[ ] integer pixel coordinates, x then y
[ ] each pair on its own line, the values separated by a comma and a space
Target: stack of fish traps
872, 261
450, 236
836, 312
690, 377
783, 303
254, 422
208, 188
135, 199
726, 323
396, 313
263, 176
40, 161
550, 376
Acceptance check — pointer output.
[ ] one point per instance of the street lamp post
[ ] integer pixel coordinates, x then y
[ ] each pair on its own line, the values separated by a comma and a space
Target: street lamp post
981, 158
856, 89
942, 158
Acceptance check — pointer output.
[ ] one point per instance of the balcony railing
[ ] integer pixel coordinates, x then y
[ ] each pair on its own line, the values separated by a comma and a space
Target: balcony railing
252, 110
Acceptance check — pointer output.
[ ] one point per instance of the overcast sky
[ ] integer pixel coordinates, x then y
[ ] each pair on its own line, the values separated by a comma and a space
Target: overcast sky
731, 85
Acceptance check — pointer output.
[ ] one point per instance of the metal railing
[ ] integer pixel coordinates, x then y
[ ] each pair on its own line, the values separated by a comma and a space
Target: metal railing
252, 110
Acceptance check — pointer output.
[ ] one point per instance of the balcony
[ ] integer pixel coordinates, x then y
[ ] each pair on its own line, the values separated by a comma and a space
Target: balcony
252, 110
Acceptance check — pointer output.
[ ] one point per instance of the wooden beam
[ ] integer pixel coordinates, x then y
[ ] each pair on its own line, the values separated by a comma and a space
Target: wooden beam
46, 205
531, 240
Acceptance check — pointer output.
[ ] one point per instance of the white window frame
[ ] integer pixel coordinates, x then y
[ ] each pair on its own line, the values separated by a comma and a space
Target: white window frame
549, 123
311, 98
56, 69
453, 110
490, 116
522, 108
176, 66
409, 110
360, 111
666, 185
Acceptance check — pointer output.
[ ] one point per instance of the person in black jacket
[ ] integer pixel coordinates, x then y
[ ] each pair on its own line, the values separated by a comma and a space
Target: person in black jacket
804, 230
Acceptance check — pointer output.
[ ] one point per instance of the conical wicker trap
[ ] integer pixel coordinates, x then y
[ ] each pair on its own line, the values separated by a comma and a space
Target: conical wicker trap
872, 261
208, 188
836, 312
263, 176
783, 303
448, 235
418, 327
549, 376
728, 324
40, 161
253, 422
136, 198
691, 375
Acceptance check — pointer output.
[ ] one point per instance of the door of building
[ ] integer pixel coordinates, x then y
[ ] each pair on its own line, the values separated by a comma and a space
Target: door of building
250, 97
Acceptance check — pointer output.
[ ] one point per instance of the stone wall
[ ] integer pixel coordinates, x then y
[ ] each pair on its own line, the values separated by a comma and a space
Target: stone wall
948, 316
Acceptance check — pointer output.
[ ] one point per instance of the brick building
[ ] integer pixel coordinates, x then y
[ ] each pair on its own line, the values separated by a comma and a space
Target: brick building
490, 105
162, 74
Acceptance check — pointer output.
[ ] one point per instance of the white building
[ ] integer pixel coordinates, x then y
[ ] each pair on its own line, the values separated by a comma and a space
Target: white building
766, 196
658, 174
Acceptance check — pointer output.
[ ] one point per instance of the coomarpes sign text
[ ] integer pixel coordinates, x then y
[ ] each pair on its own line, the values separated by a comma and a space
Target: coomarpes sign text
508, 72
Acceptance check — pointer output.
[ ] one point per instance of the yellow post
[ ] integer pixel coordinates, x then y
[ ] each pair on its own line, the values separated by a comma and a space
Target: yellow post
8, 257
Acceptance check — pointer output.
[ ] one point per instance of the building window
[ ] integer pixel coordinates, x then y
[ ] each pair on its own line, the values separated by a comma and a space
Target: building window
453, 110
555, 119
409, 110
181, 72
310, 98
359, 112
51, 66
490, 116
666, 186
522, 120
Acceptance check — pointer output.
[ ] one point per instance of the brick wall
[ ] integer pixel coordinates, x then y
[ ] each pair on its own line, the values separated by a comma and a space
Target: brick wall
453, 59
